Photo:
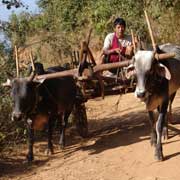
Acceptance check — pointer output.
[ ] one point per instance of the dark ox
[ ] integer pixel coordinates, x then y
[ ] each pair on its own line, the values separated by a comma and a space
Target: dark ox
41, 102
157, 83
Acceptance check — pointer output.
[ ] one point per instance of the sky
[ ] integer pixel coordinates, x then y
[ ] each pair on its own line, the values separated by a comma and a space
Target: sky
5, 13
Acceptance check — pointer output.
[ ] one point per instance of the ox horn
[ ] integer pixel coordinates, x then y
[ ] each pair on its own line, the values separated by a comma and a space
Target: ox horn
17, 62
7, 83
164, 55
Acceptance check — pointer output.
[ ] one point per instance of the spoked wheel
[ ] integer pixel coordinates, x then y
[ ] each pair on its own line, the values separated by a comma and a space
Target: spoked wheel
81, 119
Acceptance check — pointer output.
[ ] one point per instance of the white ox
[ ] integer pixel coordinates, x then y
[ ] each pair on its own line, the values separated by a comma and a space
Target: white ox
157, 83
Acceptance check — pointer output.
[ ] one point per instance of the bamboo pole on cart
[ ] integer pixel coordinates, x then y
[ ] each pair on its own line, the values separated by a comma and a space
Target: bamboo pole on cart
17, 61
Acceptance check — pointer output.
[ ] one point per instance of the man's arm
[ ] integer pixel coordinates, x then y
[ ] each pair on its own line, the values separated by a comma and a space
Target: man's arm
111, 51
108, 44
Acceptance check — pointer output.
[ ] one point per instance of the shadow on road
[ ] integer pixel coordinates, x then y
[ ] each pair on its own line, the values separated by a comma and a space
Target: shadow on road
107, 133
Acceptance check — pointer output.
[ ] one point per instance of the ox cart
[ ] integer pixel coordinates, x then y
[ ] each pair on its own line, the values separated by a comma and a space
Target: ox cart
91, 82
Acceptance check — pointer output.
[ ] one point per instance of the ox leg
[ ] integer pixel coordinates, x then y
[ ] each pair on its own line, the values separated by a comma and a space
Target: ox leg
159, 128
165, 129
30, 132
165, 126
153, 139
63, 128
50, 128
170, 118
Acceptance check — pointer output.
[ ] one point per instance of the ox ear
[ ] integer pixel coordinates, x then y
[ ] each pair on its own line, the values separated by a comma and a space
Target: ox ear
162, 70
8, 83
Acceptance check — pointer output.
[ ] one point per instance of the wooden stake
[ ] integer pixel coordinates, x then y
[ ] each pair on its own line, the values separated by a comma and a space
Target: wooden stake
89, 36
150, 31
31, 58
17, 62
133, 41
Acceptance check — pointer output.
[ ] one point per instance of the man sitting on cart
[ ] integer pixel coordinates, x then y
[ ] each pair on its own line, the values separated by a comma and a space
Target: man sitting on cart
116, 44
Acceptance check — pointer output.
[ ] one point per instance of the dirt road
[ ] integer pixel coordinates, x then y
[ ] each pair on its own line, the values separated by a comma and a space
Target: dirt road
118, 148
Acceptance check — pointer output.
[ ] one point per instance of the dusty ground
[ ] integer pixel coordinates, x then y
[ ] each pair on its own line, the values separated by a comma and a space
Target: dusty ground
118, 148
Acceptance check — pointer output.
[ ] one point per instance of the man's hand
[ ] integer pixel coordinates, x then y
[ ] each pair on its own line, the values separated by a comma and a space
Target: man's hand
117, 50
111, 51
129, 51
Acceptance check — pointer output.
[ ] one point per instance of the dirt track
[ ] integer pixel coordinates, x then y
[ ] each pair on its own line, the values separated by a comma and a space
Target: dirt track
118, 148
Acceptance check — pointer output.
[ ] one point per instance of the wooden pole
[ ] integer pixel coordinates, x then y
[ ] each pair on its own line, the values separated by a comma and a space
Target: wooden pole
89, 36
150, 31
74, 72
32, 62
17, 62
71, 72
82, 51
103, 67
84, 47
133, 41
91, 57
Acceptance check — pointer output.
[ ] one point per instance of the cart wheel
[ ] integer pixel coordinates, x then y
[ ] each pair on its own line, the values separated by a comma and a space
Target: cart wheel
81, 120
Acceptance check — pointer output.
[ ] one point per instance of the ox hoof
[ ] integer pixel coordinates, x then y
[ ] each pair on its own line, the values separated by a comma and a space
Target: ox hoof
83, 132
26, 162
61, 146
159, 157
29, 158
49, 152
165, 133
153, 141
